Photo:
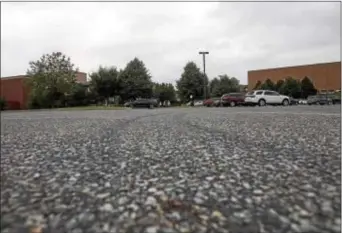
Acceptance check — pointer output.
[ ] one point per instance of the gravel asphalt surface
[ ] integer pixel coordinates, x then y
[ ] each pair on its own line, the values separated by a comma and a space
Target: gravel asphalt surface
246, 170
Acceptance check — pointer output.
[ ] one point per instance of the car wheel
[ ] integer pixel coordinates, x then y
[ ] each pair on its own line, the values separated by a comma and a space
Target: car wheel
262, 102
232, 104
285, 102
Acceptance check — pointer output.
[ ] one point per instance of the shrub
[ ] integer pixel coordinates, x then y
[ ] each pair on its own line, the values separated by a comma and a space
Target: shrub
2, 103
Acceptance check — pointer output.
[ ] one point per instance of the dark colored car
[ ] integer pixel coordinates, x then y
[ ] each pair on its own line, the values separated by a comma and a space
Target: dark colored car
336, 101
336, 97
212, 102
144, 103
312, 100
321, 99
233, 99
294, 101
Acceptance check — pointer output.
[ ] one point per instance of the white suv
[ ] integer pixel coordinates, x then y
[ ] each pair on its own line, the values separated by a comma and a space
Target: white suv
263, 97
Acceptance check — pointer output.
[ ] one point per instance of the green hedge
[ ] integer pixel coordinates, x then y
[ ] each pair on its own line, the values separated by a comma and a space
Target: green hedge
2, 103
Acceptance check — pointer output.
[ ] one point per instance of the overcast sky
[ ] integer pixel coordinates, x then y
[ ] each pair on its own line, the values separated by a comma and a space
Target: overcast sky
239, 36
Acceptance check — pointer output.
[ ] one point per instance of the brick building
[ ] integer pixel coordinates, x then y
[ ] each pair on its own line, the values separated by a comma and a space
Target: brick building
15, 92
325, 76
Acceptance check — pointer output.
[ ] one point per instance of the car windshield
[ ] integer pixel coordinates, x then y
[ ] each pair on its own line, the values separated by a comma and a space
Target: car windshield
250, 93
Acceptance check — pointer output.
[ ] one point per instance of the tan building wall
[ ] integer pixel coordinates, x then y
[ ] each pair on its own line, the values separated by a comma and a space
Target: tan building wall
325, 76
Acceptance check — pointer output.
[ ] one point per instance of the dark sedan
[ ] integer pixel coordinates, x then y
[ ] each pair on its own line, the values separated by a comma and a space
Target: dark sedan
144, 103
319, 99
294, 101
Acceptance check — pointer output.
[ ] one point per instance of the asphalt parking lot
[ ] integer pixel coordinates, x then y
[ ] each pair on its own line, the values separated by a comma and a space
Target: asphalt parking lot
248, 170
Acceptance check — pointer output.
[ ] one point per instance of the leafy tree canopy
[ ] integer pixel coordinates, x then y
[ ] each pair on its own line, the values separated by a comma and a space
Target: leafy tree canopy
279, 84
257, 85
291, 87
105, 82
136, 80
268, 85
307, 87
192, 82
78, 96
224, 84
164, 92
50, 79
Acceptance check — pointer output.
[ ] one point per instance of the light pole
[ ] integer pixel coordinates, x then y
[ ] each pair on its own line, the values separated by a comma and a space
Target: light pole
204, 86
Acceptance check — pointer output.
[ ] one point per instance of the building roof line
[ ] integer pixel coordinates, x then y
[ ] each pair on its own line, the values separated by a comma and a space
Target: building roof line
20, 76
286, 67
13, 77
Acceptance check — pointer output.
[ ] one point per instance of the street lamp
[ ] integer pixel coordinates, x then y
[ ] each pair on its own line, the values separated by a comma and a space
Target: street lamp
204, 88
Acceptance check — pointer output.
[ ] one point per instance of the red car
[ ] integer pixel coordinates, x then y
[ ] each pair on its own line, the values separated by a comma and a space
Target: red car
212, 102
233, 99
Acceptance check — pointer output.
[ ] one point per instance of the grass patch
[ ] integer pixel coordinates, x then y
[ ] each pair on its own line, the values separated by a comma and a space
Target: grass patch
92, 108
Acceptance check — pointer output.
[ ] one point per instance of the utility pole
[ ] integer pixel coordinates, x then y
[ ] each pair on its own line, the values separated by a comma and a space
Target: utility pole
205, 85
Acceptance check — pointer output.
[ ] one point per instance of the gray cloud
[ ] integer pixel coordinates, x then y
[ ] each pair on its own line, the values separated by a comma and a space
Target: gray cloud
239, 36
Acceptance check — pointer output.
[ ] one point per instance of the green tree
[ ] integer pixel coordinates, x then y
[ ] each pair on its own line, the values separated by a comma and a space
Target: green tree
135, 80
224, 84
291, 87
192, 82
78, 96
213, 87
105, 83
257, 85
279, 84
268, 85
243, 87
307, 88
51, 78
2, 103
164, 92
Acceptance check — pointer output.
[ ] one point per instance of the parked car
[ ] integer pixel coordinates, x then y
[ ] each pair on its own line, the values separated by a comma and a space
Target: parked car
212, 102
313, 99
128, 104
336, 101
217, 102
195, 103
320, 99
232, 99
198, 103
294, 101
263, 97
301, 101
144, 103
336, 97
